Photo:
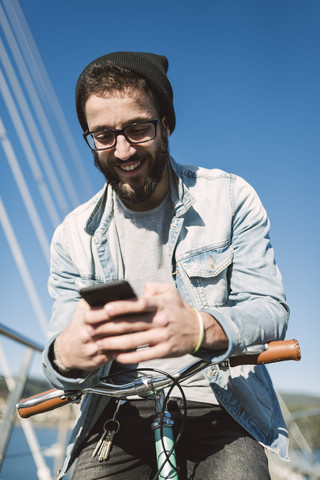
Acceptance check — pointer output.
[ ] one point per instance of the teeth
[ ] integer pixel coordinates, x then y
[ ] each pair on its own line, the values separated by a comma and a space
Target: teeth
129, 168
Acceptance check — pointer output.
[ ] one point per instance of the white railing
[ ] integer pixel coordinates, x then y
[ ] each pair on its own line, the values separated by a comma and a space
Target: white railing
16, 385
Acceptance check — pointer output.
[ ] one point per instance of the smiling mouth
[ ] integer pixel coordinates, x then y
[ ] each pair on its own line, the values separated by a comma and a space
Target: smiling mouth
130, 167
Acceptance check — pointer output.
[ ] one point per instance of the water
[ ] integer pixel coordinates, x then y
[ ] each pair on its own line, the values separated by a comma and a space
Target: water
302, 461
18, 463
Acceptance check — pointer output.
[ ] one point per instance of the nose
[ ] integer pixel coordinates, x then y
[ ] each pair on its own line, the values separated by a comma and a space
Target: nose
123, 149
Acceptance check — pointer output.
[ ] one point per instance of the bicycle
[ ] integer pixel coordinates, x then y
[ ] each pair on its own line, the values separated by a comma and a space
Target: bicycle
149, 386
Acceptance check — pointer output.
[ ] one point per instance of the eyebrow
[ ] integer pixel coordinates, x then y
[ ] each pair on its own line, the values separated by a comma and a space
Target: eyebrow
127, 124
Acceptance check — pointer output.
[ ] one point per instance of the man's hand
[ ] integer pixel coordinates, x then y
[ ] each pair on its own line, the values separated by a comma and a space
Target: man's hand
160, 321
75, 347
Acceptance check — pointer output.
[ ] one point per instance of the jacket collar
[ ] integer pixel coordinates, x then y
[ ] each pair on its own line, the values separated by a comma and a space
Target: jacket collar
102, 212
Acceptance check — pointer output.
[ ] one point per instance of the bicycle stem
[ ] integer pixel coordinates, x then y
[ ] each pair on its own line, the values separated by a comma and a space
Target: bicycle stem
164, 439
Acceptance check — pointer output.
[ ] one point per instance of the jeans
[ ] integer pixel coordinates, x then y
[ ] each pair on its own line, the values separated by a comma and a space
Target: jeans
213, 446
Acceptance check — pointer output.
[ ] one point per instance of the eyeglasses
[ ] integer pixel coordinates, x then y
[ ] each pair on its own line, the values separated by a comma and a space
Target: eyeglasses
139, 132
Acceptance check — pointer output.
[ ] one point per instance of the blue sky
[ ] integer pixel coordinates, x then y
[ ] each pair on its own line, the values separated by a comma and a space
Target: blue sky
246, 77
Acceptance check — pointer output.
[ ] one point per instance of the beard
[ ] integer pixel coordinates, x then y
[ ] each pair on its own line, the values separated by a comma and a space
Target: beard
140, 191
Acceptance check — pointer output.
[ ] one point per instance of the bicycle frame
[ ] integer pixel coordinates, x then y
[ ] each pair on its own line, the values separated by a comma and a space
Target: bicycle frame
149, 386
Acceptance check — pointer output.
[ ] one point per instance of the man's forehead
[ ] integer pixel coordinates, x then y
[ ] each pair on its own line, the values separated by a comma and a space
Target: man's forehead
115, 109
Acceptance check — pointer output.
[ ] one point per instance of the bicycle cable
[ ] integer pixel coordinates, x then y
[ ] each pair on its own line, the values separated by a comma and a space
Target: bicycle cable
175, 383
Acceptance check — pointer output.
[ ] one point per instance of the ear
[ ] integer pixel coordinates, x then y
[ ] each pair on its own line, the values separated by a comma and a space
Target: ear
166, 125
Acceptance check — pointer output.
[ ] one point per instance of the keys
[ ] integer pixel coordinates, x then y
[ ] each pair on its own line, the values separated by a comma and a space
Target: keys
98, 446
110, 428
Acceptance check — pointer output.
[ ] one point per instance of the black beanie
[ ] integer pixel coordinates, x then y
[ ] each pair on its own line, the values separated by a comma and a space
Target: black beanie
151, 67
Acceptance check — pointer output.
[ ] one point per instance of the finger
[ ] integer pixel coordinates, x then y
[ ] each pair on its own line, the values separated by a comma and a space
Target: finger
98, 360
120, 326
97, 356
96, 316
142, 355
99, 315
131, 341
126, 307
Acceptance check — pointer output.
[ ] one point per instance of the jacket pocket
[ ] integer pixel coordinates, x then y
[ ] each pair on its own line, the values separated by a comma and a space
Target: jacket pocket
205, 272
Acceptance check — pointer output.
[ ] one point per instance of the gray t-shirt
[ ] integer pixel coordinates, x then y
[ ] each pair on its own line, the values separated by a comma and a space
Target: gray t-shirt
139, 247
142, 243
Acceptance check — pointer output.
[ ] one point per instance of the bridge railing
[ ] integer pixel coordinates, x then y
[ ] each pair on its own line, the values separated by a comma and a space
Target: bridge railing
16, 385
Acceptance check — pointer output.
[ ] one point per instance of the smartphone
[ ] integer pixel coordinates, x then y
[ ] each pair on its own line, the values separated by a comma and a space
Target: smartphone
101, 293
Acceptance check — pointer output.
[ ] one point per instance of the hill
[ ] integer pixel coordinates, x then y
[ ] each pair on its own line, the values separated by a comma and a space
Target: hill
298, 401
305, 412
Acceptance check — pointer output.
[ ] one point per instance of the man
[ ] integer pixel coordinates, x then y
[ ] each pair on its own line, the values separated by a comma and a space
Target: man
194, 245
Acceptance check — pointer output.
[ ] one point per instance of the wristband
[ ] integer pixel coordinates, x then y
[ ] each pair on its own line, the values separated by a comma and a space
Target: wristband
68, 372
57, 362
201, 332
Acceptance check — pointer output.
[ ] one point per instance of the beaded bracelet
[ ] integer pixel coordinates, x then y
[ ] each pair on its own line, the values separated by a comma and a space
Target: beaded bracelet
201, 332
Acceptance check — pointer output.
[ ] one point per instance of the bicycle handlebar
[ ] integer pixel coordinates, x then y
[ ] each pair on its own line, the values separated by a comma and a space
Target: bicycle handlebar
261, 354
277, 351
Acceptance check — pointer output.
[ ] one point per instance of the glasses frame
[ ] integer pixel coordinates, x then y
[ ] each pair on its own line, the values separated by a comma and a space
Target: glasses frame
121, 131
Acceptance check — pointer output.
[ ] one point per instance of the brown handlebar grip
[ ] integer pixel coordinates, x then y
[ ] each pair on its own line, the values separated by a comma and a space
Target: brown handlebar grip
277, 351
50, 402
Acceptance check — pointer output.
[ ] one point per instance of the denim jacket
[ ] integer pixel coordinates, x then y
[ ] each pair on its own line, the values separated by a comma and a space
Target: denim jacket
222, 263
